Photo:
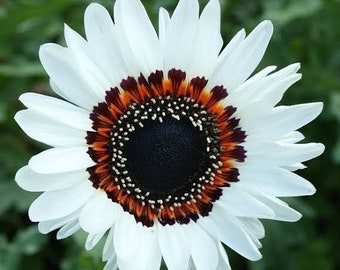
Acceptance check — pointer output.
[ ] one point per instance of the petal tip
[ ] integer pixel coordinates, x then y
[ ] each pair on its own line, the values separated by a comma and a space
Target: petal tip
267, 26
320, 148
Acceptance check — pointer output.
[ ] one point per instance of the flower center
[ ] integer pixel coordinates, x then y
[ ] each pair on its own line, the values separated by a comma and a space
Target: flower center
164, 148
163, 157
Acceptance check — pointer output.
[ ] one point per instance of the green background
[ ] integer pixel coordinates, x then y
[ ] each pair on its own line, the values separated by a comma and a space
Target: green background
306, 31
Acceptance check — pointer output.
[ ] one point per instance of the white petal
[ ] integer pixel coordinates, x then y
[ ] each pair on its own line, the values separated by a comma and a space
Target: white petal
60, 92
48, 131
250, 208
254, 226
223, 260
32, 181
282, 210
268, 90
203, 247
281, 153
292, 137
231, 232
58, 110
126, 237
98, 215
102, 37
68, 230
233, 44
108, 250
276, 84
137, 36
208, 41
48, 226
286, 71
284, 119
111, 265
241, 204
148, 256
243, 60
174, 246
56, 160
92, 240
294, 167
178, 43
109, 253
256, 77
251, 232
60, 203
89, 67
59, 64
275, 181
163, 23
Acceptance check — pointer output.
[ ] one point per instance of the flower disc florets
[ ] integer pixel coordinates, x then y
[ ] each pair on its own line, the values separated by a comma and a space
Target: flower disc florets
164, 147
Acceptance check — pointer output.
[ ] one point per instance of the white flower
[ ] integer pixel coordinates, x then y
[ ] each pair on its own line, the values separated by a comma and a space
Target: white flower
165, 146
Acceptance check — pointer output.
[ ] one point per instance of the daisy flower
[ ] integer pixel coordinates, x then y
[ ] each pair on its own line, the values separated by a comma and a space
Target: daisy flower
163, 144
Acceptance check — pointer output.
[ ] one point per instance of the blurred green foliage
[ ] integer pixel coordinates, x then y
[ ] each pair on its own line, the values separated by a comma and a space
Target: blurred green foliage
306, 31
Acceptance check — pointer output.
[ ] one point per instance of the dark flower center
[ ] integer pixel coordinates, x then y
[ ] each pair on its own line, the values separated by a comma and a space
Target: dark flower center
162, 157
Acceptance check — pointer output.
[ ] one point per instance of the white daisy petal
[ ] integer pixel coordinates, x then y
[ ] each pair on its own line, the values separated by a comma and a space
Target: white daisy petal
260, 84
68, 229
281, 118
208, 41
275, 181
174, 246
139, 44
254, 226
126, 237
57, 160
244, 58
109, 253
98, 215
223, 260
111, 265
252, 232
58, 110
59, 64
250, 53
282, 154
92, 240
177, 44
241, 204
292, 137
258, 76
203, 247
282, 210
102, 37
47, 131
60, 92
108, 250
284, 119
234, 237
33, 181
294, 167
277, 83
88, 65
147, 258
267, 90
48, 226
163, 23
60, 203
227, 52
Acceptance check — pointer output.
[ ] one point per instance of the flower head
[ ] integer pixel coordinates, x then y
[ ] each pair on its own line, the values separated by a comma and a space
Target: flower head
164, 144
